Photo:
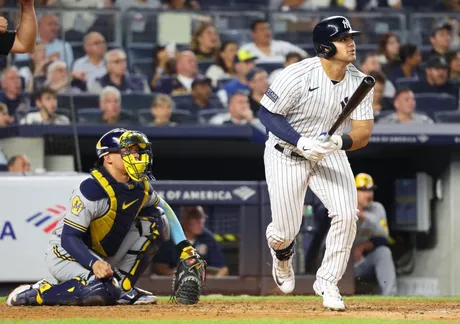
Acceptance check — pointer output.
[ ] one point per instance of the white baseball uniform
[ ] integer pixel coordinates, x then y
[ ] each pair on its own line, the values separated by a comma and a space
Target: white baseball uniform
311, 103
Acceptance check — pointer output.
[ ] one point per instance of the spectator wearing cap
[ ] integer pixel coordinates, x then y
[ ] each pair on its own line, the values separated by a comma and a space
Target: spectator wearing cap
371, 252
244, 62
180, 83
409, 64
239, 113
371, 63
258, 84
437, 78
224, 67
92, 65
404, 103
440, 40
19, 163
5, 118
265, 48
291, 58
453, 59
193, 220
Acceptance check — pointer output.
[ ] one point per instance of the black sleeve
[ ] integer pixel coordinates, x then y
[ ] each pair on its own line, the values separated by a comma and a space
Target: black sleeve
6, 42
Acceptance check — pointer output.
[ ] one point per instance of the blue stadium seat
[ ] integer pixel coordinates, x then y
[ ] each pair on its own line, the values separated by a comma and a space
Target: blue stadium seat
405, 83
448, 117
179, 116
140, 51
82, 100
182, 101
269, 67
204, 65
205, 115
90, 114
239, 36
135, 101
142, 66
429, 103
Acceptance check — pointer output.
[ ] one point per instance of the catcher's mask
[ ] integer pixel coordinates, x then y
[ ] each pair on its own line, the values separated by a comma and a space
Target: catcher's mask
135, 150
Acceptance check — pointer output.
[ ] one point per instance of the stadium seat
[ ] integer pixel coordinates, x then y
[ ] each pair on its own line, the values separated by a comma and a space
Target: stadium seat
205, 115
239, 36
182, 101
269, 67
179, 116
82, 100
448, 117
87, 115
405, 83
135, 101
204, 65
429, 103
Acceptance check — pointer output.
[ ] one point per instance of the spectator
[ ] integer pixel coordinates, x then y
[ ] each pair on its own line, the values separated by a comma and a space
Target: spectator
371, 63
265, 48
388, 49
193, 222
48, 25
371, 252
258, 84
36, 68
46, 102
404, 103
110, 105
378, 103
92, 65
162, 110
223, 68
436, 70
201, 95
408, 66
205, 41
453, 59
11, 94
59, 79
160, 58
3, 161
239, 113
291, 58
368, 5
19, 163
181, 4
5, 118
181, 83
244, 62
440, 40
117, 75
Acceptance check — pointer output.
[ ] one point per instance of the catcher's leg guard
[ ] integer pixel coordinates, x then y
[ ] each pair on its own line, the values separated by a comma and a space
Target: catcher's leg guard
77, 292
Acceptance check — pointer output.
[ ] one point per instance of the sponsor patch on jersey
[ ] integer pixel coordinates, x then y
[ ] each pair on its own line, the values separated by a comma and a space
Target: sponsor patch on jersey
77, 205
272, 95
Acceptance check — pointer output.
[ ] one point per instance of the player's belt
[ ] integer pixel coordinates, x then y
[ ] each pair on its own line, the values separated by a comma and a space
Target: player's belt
281, 149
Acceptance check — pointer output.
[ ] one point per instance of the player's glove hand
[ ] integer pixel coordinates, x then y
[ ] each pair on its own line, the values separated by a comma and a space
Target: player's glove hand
332, 145
311, 149
190, 274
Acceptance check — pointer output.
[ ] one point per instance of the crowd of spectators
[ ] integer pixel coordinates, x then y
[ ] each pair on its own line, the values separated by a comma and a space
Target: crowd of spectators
206, 82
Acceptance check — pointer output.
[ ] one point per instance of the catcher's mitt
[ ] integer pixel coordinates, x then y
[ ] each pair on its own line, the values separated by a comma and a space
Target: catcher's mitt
190, 273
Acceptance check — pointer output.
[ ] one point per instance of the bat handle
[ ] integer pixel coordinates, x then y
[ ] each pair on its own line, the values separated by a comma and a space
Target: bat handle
325, 138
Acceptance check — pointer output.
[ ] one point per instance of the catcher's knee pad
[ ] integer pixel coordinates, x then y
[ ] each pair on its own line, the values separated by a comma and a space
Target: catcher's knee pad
100, 292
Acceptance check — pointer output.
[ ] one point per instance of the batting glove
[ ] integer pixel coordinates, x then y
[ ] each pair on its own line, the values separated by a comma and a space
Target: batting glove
311, 149
332, 145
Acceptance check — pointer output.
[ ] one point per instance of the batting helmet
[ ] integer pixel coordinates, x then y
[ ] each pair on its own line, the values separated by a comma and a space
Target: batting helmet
364, 181
327, 30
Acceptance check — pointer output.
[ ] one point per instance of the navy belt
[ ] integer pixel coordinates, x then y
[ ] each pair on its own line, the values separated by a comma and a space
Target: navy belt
281, 149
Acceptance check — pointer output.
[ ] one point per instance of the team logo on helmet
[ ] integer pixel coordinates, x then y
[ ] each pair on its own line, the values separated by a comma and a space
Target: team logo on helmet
346, 24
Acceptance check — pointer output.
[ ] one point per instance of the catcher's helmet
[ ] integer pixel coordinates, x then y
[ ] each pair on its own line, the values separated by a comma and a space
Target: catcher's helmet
134, 147
327, 30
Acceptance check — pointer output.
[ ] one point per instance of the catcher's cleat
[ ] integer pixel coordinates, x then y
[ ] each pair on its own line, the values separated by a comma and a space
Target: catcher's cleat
331, 296
23, 295
137, 296
282, 270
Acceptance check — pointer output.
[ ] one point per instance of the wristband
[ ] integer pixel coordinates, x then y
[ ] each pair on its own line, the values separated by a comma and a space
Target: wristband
347, 142
182, 245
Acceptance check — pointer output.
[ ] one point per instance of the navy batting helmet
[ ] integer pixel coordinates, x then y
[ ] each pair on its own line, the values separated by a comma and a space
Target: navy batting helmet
327, 30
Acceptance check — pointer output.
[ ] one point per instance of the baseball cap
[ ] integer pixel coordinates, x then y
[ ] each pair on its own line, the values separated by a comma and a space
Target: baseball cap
244, 56
251, 74
195, 212
441, 25
201, 80
364, 181
437, 61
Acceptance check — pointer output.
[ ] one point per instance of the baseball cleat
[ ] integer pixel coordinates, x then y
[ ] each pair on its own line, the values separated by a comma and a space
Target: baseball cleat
331, 296
283, 274
137, 296
23, 295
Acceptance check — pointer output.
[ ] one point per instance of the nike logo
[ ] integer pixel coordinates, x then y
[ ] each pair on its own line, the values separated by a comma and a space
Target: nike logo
280, 283
304, 148
126, 205
312, 89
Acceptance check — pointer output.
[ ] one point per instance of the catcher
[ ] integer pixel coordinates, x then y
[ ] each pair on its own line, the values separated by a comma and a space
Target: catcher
113, 227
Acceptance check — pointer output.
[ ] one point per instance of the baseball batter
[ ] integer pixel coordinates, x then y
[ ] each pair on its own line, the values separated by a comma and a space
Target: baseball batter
113, 228
302, 103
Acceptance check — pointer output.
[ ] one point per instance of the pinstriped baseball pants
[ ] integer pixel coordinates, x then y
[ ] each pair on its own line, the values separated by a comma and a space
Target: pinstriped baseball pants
332, 181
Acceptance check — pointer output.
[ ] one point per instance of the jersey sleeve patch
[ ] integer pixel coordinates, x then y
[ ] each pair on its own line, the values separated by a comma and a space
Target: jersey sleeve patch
77, 205
271, 95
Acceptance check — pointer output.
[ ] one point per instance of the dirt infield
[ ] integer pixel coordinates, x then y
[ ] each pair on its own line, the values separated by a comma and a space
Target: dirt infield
249, 309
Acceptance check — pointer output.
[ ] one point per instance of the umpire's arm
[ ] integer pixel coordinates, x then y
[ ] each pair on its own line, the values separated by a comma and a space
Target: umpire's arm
26, 34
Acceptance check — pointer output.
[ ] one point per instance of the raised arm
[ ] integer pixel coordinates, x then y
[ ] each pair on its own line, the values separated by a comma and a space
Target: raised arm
26, 34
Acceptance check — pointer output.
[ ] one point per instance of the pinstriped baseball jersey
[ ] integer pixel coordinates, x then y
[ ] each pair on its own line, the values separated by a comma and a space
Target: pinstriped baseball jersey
310, 102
